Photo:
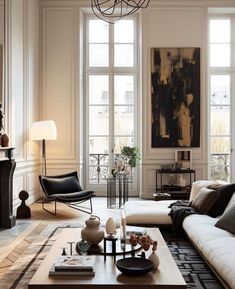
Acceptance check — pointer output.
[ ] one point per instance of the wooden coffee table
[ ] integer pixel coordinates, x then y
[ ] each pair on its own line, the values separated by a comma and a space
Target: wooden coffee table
106, 273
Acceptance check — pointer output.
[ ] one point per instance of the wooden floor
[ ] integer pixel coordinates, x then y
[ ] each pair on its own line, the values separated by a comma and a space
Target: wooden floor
69, 214
10, 237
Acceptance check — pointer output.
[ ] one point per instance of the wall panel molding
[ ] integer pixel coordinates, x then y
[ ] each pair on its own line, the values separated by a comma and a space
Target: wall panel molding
153, 21
22, 35
58, 80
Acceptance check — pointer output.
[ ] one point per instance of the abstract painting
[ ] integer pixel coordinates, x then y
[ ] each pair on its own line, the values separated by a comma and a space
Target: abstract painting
175, 89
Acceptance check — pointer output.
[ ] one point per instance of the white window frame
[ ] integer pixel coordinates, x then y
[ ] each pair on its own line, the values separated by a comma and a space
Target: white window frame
111, 71
223, 71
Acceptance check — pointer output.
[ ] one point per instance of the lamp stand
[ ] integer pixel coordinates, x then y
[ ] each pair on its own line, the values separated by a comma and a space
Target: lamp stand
44, 166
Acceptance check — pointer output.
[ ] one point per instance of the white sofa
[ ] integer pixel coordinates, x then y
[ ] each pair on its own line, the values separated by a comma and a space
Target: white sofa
217, 246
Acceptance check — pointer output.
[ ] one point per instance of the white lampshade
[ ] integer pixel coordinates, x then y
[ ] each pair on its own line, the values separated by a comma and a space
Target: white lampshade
45, 129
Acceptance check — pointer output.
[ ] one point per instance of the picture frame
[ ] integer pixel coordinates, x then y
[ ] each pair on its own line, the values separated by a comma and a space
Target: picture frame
183, 158
175, 97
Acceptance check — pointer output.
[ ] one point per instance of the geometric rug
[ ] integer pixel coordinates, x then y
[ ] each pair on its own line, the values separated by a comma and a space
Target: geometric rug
19, 266
197, 274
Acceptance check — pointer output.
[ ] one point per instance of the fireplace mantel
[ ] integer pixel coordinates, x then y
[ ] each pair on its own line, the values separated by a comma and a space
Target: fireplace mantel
7, 167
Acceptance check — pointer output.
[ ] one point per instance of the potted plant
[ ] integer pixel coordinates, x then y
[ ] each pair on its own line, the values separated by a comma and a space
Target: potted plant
131, 156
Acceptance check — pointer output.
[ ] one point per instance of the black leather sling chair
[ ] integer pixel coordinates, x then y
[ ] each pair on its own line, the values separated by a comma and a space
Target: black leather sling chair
65, 189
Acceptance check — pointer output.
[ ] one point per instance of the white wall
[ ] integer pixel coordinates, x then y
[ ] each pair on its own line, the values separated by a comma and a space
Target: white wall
22, 91
163, 24
174, 24
172, 27
60, 85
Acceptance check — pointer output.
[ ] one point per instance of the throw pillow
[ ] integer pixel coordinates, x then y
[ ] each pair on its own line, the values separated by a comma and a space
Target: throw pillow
224, 194
61, 185
227, 220
198, 185
204, 200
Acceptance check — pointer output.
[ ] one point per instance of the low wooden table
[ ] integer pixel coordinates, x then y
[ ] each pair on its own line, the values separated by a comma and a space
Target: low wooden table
106, 274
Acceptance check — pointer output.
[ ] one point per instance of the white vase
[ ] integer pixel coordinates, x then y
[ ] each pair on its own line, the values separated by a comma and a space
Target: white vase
155, 259
110, 226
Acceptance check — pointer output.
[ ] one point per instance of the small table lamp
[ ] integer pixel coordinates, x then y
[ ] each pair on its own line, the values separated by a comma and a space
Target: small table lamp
43, 130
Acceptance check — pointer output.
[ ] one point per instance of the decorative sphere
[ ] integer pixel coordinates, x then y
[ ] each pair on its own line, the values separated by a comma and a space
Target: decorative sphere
23, 195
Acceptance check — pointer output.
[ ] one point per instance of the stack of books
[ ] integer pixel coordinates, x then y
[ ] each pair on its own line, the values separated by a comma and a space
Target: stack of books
73, 265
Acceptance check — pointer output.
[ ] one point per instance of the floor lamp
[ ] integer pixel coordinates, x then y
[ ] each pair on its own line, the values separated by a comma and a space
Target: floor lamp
43, 130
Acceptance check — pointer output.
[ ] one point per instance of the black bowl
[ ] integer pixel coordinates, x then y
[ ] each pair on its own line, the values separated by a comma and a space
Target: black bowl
134, 266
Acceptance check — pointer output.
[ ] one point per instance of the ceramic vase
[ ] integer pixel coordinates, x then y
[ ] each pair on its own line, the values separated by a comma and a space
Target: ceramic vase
110, 226
92, 232
4, 140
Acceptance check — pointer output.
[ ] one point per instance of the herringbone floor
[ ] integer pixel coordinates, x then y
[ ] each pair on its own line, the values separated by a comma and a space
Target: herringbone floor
10, 237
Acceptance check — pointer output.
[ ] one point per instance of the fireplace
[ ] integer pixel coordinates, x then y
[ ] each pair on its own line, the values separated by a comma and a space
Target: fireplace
7, 167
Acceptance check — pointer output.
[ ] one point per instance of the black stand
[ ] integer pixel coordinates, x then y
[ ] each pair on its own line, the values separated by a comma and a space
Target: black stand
113, 239
44, 165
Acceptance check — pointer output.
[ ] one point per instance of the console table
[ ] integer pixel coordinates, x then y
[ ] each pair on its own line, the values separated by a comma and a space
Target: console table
7, 167
176, 191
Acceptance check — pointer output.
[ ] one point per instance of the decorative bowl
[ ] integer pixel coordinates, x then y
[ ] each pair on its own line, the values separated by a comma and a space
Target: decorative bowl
82, 247
134, 266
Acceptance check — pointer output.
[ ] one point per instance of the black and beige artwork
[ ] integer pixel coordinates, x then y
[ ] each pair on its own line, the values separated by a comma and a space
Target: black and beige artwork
175, 84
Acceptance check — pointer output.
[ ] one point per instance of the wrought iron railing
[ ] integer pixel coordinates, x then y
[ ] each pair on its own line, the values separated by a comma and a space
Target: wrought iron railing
98, 167
220, 166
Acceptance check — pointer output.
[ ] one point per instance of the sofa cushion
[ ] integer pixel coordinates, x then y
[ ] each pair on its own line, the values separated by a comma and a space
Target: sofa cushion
201, 229
204, 200
216, 245
61, 185
227, 220
224, 194
148, 212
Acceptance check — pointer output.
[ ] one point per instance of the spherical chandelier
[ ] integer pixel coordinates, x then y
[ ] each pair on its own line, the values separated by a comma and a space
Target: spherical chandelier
113, 10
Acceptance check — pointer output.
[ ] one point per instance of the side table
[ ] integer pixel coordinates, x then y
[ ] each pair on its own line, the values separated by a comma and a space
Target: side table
117, 187
175, 190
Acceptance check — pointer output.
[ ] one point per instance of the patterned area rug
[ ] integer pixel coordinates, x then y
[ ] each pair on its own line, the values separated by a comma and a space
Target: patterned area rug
21, 263
194, 269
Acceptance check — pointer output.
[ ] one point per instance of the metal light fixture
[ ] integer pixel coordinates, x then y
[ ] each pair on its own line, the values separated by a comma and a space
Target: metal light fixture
113, 10
43, 130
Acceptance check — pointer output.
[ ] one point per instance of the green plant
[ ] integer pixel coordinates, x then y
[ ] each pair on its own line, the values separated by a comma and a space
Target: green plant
131, 155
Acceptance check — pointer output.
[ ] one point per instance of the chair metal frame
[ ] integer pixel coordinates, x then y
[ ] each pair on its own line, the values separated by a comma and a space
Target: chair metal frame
74, 205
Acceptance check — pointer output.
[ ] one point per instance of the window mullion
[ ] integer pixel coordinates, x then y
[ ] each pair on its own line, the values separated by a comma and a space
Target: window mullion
111, 119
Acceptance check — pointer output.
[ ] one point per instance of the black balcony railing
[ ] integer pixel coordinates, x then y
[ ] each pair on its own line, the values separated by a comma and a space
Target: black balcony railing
220, 166
98, 167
